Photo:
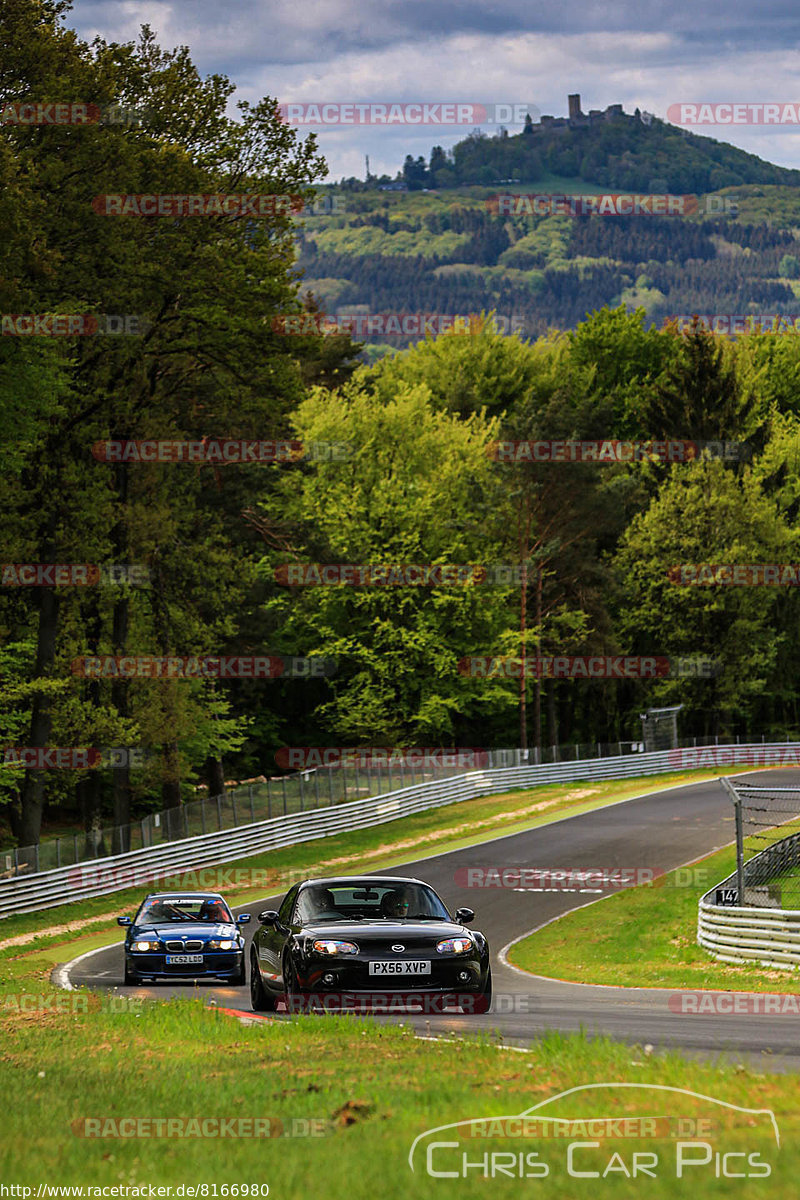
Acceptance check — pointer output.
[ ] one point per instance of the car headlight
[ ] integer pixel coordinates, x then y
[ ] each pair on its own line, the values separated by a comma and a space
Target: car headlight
329, 947
221, 944
146, 946
454, 946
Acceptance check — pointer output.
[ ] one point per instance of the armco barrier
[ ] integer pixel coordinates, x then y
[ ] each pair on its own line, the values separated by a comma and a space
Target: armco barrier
758, 932
105, 875
770, 936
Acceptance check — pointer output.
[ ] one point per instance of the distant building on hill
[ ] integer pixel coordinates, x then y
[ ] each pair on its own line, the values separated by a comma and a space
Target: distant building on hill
578, 117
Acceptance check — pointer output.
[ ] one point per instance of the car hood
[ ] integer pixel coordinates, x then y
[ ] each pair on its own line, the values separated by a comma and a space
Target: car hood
178, 930
381, 931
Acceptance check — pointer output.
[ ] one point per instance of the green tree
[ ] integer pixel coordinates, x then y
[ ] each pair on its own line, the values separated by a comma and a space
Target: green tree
412, 493
706, 514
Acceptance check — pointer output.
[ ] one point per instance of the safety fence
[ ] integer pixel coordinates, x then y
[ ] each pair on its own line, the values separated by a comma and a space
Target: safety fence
752, 916
65, 884
263, 798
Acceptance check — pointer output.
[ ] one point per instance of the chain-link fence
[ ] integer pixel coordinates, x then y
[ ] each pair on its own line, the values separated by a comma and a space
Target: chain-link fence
289, 793
767, 846
299, 792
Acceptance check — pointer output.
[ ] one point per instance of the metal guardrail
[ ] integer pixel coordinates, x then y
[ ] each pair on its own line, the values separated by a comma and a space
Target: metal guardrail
115, 873
755, 931
770, 936
262, 798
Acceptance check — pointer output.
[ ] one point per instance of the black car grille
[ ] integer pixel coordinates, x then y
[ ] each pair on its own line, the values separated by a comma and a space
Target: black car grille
417, 947
190, 947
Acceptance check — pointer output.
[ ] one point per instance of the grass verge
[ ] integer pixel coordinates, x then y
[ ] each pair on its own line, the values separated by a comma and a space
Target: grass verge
339, 1102
646, 937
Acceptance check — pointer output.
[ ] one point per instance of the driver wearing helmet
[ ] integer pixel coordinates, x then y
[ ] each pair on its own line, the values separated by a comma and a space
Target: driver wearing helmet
214, 910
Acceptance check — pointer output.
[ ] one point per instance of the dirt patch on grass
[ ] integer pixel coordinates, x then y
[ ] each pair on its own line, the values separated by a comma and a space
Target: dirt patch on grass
70, 927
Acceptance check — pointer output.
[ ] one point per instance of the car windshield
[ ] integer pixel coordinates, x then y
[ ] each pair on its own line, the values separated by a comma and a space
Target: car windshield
162, 910
359, 902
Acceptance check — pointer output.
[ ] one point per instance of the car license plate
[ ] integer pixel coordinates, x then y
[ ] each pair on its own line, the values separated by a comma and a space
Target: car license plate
400, 967
183, 958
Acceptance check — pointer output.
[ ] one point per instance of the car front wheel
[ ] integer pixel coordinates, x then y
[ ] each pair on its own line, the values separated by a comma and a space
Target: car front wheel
259, 1000
291, 987
481, 1002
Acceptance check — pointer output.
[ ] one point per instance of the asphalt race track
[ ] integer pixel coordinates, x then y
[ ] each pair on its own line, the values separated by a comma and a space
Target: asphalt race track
654, 833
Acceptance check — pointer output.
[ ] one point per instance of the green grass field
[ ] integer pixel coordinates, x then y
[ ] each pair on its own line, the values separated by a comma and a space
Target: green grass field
338, 1103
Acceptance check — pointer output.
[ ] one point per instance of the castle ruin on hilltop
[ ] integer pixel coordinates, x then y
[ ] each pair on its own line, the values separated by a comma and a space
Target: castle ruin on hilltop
576, 117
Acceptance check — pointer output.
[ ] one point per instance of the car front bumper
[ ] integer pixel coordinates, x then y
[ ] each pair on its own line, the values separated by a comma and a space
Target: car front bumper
215, 963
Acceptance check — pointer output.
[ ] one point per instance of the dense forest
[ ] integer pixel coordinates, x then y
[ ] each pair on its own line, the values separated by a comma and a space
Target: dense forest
448, 253
188, 557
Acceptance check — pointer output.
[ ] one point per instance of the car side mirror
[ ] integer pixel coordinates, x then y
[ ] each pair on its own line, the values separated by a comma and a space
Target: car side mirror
242, 918
269, 917
124, 920
464, 916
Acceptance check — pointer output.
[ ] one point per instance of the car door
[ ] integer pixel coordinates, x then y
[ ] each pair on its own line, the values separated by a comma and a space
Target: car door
270, 941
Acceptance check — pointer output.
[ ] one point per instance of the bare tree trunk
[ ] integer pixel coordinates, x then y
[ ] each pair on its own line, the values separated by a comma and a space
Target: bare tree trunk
32, 790
215, 776
537, 697
524, 540
119, 687
551, 713
91, 802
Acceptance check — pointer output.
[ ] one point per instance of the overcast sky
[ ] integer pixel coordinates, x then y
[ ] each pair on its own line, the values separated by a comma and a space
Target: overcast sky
517, 51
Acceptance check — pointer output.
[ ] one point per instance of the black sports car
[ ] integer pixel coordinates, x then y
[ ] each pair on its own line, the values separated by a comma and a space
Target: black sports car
353, 943
187, 935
